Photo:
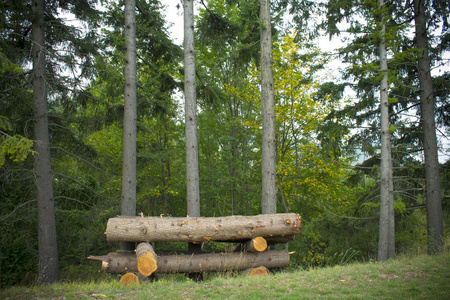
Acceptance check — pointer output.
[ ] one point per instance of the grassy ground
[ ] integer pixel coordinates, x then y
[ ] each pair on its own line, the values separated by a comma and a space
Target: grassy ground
405, 278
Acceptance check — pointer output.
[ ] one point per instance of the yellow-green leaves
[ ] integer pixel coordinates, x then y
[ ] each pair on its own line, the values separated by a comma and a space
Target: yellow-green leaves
14, 147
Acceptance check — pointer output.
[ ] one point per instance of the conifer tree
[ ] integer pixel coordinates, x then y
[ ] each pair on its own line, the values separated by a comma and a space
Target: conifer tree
268, 197
128, 205
386, 243
192, 176
435, 225
47, 244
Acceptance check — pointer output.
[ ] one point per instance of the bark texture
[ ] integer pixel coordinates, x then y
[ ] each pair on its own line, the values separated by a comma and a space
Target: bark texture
192, 176
47, 243
128, 204
386, 243
268, 197
197, 230
435, 224
122, 262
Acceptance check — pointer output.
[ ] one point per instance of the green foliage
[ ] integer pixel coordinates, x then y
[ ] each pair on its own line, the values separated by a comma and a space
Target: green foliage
16, 147
320, 133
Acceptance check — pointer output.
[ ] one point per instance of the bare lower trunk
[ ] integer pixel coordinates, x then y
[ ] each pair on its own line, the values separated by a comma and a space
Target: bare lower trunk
268, 197
192, 175
435, 225
198, 230
386, 244
47, 244
128, 205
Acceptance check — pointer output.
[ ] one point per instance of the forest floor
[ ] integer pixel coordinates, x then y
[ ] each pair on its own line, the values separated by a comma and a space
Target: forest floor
409, 277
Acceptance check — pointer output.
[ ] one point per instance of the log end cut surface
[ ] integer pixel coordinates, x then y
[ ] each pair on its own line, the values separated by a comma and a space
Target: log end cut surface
260, 272
128, 279
147, 264
259, 244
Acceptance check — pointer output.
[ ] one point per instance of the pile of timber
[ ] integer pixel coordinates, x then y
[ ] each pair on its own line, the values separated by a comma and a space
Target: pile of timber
252, 234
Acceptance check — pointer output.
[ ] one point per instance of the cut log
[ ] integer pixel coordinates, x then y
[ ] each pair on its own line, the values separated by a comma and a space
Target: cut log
197, 230
146, 259
260, 271
258, 244
118, 262
128, 279
121, 262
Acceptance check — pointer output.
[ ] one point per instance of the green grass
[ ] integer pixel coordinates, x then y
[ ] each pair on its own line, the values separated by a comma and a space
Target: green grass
417, 277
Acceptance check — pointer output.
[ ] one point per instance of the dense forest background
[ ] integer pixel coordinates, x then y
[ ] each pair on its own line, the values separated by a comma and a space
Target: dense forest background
327, 124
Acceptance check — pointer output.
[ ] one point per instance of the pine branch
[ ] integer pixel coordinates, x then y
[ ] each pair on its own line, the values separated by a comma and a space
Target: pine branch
81, 159
17, 208
82, 184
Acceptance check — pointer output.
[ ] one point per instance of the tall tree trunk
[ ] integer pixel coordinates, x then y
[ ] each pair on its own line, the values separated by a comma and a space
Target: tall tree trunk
268, 197
435, 225
192, 176
48, 250
386, 244
128, 205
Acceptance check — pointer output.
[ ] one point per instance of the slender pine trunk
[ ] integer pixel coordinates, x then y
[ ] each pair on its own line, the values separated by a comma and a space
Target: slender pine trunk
47, 243
268, 197
435, 225
192, 174
386, 244
128, 205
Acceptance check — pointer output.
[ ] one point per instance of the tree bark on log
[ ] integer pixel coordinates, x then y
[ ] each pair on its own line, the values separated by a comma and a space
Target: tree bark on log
202, 229
260, 271
146, 259
258, 244
122, 262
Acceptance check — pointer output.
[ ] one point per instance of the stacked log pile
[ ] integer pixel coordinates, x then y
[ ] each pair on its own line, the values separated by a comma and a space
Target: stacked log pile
252, 234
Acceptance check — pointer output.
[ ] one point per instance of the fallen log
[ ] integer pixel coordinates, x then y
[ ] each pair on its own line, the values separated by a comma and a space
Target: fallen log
204, 229
258, 244
260, 271
146, 259
121, 262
